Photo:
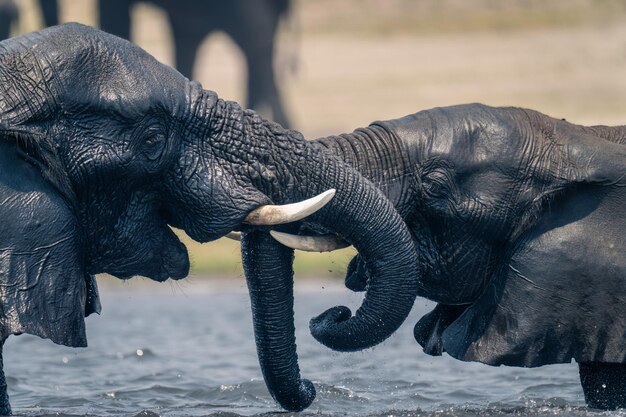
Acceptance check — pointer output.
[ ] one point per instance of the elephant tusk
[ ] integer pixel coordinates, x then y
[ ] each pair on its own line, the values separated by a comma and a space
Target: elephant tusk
326, 243
270, 215
234, 236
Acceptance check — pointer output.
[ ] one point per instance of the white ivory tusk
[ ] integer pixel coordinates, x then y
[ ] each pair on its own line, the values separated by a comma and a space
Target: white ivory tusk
234, 236
326, 243
271, 215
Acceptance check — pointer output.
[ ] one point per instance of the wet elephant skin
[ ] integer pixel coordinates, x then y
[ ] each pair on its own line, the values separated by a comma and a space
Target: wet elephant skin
105, 149
484, 210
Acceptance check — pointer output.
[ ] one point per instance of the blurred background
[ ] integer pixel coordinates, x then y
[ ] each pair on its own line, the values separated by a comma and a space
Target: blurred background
342, 64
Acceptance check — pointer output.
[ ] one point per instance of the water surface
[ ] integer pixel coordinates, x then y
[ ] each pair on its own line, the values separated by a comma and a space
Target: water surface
188, 350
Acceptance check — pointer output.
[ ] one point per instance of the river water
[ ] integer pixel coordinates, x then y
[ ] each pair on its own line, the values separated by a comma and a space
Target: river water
187, 349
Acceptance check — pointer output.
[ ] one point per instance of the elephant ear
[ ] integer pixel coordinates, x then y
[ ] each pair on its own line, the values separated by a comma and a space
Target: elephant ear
559, 295
44, 289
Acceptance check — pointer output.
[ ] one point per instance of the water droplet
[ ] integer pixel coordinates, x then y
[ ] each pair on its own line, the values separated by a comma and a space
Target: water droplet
65, 359
139, 352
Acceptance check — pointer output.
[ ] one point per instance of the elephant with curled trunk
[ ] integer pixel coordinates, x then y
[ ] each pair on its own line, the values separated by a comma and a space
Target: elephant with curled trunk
518, 221
511, 220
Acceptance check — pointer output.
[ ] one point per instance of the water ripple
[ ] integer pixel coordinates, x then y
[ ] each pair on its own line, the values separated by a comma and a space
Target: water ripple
132, 370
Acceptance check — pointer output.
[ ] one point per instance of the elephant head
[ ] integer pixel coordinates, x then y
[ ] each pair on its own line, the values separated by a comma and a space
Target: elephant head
134, 147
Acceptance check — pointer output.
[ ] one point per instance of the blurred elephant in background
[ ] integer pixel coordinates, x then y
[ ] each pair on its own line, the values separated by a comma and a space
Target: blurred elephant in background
9, 13
251, 24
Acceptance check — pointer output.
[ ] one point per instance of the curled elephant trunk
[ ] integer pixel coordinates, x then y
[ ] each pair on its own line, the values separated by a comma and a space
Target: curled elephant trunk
360, 214
269, 273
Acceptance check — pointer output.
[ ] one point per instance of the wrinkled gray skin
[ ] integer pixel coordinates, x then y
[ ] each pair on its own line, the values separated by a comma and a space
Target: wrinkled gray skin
104, 148
519, 222
484, 210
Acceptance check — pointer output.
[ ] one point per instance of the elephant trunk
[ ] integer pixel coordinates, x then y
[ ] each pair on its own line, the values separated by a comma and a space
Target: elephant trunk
285, 168
360, 214
240, 152
363, 216
269, 273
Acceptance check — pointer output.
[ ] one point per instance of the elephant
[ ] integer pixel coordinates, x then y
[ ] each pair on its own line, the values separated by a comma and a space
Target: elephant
517, 220
104, 148
484, 210
8, 14
252, 25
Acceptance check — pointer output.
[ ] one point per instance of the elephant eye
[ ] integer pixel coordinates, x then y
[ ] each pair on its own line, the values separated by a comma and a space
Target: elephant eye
154, 146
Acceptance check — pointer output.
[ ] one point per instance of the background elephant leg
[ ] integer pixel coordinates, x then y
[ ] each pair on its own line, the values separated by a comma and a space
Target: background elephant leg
604, 384
114, 17
5, 407
186, 44
262, 90
255, 35
50, 12
8, 14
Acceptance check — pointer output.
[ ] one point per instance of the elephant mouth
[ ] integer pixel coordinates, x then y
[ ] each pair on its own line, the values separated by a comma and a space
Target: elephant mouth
171, 267
175, 266
167, 259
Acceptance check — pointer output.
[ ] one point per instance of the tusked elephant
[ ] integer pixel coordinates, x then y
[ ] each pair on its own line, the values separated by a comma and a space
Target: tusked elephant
103, 148
485, 210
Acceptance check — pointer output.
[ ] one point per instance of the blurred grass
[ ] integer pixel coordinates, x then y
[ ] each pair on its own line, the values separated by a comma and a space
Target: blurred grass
222, 258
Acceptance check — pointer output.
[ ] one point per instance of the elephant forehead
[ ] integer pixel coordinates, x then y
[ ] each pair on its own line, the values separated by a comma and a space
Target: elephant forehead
129, 85
96, 68
137, 75
131, 95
